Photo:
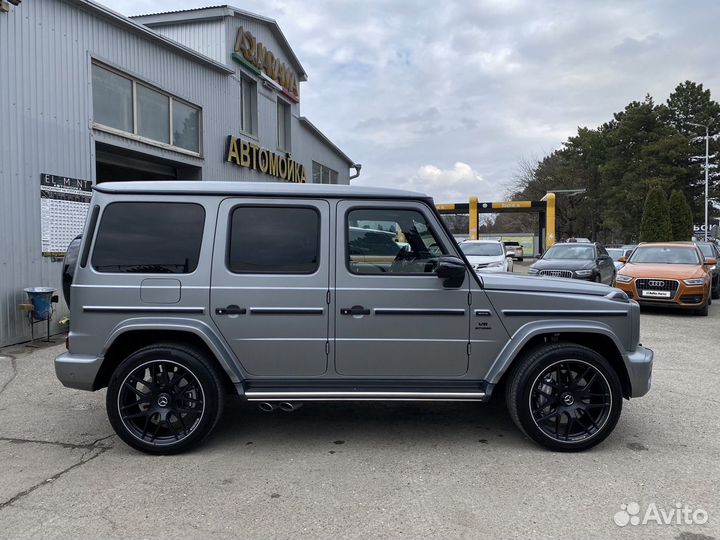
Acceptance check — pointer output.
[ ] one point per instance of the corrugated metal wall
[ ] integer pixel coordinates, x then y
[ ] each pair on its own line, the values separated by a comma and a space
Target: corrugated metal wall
46, 47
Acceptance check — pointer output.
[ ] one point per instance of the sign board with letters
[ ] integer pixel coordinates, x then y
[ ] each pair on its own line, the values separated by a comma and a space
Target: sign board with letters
64, 203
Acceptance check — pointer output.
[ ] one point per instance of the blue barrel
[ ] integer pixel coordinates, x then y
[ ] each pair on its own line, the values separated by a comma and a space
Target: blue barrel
41, 299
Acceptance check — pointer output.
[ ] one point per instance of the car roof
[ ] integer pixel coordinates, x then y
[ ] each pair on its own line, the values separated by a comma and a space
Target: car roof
668, 244
260, 189
574, 244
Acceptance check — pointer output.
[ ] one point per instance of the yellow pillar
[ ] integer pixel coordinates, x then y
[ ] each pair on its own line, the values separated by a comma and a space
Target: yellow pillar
473, 232
549, 220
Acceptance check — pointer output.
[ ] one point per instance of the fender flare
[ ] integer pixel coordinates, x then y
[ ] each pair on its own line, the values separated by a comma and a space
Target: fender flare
532, 329
200, 329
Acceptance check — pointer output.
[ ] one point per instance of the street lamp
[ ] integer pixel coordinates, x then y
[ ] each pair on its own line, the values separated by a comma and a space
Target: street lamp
707, 165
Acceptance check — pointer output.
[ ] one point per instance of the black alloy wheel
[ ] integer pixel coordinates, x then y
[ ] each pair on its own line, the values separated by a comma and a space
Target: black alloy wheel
164, 399
565, 397
570, 400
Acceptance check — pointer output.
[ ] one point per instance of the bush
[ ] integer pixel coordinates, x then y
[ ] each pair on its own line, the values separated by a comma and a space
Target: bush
655, 225
681, 218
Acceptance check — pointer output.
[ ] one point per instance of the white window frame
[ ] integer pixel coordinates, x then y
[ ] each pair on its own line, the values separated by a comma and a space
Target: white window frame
134, 134
323, 170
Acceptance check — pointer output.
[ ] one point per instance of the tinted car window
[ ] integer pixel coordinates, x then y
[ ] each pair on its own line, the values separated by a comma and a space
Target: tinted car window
707, 250
277, 240
569, 251
149, 238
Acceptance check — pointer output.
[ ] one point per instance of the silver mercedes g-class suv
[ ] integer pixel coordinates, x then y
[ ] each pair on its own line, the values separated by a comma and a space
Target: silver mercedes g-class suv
183, 292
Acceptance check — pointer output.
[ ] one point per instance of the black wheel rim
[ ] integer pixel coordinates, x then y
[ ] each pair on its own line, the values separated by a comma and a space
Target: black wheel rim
570, 401
161, 402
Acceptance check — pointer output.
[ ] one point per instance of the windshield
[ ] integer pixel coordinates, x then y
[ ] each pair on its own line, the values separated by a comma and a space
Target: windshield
707, 250
489, 249
615, 253
569, 252
665, 255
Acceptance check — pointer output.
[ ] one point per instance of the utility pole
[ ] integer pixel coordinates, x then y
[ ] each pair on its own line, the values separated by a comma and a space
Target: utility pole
707, 167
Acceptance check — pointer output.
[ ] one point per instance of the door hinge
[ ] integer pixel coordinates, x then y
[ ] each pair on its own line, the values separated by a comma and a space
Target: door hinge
327, 348
468, 348
327, 298
469, 298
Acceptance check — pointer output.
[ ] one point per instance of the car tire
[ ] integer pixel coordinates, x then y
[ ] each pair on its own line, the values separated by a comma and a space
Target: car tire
164, 399
520, 259
544, 397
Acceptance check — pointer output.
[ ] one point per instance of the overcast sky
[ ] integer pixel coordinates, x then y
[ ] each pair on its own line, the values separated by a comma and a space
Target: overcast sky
448, 97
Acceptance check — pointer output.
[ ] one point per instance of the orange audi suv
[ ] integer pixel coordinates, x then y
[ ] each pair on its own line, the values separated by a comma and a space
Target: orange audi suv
668, 274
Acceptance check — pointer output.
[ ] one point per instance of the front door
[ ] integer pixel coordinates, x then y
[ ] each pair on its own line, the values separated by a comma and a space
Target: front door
393, 317
270, 284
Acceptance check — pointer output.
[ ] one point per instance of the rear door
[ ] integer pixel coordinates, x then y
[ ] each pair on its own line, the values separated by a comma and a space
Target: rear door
393, 317
270, 284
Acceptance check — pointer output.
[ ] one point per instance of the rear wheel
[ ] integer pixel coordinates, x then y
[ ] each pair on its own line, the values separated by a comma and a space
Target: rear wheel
164, 399
565, 397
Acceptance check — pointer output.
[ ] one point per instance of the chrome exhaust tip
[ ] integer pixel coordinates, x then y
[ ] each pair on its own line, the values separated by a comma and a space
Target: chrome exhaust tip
266, 406
289, 406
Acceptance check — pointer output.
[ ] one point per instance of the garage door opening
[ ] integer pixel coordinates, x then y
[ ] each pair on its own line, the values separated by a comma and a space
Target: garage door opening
118, 165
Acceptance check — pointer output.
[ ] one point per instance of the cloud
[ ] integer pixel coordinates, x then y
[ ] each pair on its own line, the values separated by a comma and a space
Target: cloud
446, 185
417, 91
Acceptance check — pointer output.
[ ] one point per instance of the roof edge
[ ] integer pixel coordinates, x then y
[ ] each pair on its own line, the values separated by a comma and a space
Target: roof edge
114, 16
216, 12
320, 135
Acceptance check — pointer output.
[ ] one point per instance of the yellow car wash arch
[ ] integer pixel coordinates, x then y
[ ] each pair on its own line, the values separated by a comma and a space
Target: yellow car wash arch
545, 208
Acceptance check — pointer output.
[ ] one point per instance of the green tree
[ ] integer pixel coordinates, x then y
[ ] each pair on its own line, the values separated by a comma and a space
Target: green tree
681, 217
691, 104
655, 225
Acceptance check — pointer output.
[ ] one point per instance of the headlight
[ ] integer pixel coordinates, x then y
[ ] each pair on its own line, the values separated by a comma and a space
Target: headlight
583, 273
696, 281
623, 279
713, 268
532, 270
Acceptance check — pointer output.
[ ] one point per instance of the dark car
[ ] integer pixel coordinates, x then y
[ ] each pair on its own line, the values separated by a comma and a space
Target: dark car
710, 250
577, 260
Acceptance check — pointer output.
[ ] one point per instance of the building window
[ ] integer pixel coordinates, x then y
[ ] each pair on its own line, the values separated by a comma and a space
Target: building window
283, 125
125, 104
149, 238
323, 174
153, 117
112, 99
248, 106
290, 246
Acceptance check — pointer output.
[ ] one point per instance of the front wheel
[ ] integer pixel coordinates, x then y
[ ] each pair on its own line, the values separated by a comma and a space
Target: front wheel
164, 399
565, 397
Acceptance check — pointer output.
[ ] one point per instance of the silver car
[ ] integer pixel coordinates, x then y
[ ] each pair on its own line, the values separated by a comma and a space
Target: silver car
184, 292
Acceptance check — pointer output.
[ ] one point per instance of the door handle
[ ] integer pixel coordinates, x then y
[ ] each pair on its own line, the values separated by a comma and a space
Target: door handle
355, 310
231, 310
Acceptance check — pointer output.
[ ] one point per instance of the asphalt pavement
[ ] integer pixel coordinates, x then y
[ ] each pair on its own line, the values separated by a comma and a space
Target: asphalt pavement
329, 471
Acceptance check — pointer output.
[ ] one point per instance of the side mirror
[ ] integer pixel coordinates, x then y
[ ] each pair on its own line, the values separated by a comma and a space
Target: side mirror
452, 270
623, 259
711, 261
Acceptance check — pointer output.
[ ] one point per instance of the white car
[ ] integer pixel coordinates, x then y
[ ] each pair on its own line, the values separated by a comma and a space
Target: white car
487, 256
